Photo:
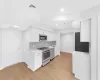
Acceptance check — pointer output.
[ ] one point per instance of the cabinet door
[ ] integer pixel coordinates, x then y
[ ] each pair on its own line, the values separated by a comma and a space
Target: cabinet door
38, 59
50, 36
34, 35
83, 59
85, 30
11, 47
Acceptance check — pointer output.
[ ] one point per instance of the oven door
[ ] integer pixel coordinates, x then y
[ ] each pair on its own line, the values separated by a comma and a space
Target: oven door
46, 55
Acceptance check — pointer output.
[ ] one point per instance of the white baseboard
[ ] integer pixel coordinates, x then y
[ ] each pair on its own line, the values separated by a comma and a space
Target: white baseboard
31, 68
67, 51
1, 68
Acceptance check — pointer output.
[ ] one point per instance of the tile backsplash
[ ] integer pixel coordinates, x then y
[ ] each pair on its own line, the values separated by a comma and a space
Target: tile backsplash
34, 45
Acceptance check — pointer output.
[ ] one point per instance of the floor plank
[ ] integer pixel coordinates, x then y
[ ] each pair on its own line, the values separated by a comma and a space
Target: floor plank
58, 69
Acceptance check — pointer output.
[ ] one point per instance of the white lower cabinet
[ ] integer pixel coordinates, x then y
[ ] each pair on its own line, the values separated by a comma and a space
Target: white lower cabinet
81, 65
35, 60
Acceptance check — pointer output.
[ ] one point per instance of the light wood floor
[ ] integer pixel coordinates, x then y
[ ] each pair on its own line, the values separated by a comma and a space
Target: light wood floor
58, 69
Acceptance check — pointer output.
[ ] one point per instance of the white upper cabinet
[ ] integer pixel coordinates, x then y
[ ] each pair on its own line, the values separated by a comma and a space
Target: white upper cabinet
50, 35
32, 35
85, 30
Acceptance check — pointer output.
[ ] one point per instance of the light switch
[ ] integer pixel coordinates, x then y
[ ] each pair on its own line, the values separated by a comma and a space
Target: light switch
33, 46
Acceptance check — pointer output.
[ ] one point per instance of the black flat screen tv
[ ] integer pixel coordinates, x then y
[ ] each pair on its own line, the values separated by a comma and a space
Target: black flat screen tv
81, 46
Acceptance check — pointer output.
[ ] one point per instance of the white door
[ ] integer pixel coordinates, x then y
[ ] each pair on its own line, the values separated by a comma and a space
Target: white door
11, 47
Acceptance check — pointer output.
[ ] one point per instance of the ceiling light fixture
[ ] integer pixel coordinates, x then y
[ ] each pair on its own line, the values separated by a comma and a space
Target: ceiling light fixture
16, 26
62, 9
56, 24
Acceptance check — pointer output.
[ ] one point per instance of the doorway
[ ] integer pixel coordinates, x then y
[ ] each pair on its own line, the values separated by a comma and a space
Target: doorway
67, 42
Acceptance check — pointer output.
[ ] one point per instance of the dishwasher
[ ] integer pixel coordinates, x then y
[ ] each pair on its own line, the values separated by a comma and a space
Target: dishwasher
52, 53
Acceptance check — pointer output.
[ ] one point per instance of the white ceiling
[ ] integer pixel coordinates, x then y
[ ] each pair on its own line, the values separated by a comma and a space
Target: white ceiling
49, 10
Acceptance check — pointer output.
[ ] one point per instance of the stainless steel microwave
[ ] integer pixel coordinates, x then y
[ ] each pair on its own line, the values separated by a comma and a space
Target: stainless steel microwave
42, 37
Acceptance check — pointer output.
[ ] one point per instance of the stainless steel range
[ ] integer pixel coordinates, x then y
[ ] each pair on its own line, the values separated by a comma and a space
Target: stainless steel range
45, 55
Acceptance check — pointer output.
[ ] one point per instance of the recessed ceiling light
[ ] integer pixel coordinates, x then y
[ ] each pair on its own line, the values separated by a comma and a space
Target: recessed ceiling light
16, 26
56, 24
62, 9
75, 23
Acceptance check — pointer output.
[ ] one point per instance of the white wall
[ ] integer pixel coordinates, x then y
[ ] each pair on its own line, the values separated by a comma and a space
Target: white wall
26, 40
70, 30
93, 53
98, 47
43, 27
57, 43
11, 47
67, 42
0, 48
89, 12
81, 65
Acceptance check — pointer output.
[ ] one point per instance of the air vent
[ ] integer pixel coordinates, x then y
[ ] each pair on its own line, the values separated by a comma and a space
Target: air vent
32, 6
